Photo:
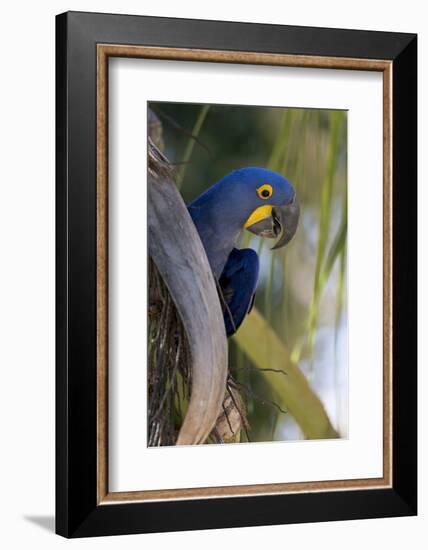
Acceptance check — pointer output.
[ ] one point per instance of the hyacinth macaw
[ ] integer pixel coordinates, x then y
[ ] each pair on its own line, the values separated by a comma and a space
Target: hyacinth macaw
256, 199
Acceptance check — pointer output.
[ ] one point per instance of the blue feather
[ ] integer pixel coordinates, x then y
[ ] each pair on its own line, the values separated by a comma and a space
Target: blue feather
238, 283
221, 211
219, 215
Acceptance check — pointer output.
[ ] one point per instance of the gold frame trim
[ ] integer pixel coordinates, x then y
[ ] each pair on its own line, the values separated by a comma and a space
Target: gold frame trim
104, 51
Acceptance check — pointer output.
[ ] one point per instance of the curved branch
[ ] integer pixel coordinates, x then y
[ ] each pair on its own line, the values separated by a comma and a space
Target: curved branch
178, 253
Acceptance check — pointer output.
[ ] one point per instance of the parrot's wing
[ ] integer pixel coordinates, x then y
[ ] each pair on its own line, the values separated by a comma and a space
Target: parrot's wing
238, 283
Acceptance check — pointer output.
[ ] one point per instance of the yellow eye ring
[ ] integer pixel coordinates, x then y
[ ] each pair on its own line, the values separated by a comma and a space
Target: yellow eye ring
264, 191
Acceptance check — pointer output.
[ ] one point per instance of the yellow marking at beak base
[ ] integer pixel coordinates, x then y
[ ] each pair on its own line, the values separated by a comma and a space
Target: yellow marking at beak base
259, 213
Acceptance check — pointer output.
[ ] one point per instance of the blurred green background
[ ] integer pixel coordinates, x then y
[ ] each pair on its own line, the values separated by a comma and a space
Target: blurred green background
300, 317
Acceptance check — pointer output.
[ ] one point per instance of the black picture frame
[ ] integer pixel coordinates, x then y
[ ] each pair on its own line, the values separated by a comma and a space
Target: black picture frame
77, 511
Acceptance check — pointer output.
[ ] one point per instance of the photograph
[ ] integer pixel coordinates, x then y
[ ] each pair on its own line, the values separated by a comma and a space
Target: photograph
264, 190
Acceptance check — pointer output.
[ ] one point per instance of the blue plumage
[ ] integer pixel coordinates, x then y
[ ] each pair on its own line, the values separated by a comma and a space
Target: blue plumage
238, 283
257, 199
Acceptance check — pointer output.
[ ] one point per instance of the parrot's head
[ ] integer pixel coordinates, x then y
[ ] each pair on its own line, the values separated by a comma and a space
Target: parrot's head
268, 203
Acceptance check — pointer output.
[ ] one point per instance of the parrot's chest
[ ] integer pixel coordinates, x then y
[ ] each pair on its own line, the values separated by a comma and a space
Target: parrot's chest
218, 250
218, 240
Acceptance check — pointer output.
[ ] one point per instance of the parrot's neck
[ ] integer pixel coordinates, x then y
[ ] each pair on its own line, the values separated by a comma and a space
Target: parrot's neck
218, 230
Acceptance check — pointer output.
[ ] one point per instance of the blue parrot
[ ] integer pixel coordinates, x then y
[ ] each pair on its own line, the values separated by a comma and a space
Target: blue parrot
256, 199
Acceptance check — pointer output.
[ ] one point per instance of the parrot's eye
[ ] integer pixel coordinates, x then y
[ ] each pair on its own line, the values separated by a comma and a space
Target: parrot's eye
264, 191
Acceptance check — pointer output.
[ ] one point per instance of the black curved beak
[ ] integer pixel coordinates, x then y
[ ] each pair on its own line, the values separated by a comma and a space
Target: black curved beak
287, 217
283, 222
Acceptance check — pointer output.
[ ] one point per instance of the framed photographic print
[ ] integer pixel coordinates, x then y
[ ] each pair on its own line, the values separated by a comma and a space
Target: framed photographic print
236, 274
